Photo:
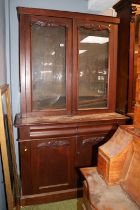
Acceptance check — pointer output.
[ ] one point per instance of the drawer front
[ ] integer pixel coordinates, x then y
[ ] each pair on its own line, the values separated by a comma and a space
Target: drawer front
96, 129
43, 132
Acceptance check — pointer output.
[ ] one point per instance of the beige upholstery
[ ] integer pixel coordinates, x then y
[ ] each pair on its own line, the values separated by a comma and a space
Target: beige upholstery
103, 193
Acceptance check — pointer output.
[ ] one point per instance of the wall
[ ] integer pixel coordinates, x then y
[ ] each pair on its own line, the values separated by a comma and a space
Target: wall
2, 43
2, 81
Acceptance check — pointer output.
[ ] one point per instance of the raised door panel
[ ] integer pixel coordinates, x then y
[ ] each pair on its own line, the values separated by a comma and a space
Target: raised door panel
52, 164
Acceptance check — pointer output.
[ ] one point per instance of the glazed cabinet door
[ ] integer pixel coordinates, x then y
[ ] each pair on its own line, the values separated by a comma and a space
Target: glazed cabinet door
51, 165
45, 60
95, 66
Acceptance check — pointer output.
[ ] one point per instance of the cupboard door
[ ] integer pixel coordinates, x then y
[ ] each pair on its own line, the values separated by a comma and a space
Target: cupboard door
46, 55
95, 66
87, 149
52, 164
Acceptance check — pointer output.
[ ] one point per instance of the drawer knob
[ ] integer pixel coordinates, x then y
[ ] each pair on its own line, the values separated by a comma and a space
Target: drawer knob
25, 149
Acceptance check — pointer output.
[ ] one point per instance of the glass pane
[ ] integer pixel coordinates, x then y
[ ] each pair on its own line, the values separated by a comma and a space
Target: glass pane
48, 67
93, 68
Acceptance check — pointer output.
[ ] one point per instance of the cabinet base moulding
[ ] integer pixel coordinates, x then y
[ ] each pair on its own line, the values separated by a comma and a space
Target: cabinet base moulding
51, 197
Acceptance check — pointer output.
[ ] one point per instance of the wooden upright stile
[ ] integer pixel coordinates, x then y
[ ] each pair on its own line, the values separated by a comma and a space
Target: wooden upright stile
13, 195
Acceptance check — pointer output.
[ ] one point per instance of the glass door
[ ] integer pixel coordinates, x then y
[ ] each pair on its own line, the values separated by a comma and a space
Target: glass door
50, 64
95, 64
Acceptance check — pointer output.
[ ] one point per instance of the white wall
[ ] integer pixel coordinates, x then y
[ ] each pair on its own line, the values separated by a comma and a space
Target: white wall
2, 43
2, 81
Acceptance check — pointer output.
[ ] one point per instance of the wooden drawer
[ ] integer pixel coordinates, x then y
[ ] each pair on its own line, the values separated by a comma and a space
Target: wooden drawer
42, 132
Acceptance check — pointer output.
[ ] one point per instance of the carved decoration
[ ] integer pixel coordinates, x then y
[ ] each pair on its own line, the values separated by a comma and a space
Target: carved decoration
95, 26
93, 140
49, 23
133, 13
54, 143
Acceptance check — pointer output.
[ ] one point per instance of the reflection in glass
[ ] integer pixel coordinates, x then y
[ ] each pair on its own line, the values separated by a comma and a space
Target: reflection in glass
93, 68
48, 67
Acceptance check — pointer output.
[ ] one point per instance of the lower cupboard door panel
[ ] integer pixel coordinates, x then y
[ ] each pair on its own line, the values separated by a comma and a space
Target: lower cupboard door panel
52, 165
